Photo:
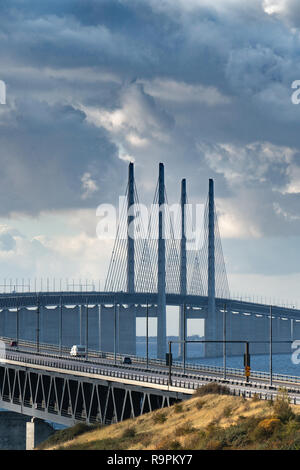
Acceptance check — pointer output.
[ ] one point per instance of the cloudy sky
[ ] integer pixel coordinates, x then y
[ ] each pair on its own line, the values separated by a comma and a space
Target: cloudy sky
203, 86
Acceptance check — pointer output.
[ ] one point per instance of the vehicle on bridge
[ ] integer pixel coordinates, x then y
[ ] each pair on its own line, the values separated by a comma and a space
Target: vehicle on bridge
78, 350
127, 360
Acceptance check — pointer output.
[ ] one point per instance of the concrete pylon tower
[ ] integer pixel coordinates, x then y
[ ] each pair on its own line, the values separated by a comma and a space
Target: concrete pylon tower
161, 272
211, 320
183, 282
130, 222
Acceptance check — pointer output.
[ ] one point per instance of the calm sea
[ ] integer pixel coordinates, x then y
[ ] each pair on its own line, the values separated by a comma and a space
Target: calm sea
282, 363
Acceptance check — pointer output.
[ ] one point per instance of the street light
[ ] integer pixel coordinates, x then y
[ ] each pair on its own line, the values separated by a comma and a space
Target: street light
224, 339
271, 348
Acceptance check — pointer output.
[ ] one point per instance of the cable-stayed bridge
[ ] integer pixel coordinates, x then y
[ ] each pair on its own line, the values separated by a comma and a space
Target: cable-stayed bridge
147, 273
153, 265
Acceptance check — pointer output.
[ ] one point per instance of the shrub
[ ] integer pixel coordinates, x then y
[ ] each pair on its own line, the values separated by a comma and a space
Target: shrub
159, 417
214, 445
186, 428
199, 404
67, 434
212, 388
282, 408
255, 397
178, 408
269, 425
227, 411
168, 444
175, 445
194, 441
129, 433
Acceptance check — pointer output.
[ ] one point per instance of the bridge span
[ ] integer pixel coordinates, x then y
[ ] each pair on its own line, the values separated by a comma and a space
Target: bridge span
107, 321
145, 276
53, 386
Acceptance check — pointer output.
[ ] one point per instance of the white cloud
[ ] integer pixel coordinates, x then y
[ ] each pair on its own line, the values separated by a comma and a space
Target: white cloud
256, 162
89, 185
232, 221
185, 93
274, 6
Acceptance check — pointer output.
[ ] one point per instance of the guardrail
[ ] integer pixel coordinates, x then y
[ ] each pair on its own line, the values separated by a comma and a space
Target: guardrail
160, 362
192, 384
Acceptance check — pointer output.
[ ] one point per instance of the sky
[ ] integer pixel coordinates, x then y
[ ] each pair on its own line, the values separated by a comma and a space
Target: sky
204, 87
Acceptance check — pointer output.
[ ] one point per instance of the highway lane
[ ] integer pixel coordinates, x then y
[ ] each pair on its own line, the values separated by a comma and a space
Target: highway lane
139, 365
156, 372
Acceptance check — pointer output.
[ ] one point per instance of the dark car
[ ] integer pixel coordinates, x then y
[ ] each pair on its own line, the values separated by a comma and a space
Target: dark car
127, 360
13, 344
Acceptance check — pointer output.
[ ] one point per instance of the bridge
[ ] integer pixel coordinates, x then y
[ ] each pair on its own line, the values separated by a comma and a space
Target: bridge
102, 389
151, 268
146, 275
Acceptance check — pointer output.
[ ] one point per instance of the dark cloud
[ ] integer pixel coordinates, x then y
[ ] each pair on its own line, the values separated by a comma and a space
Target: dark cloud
48, 154
157, 81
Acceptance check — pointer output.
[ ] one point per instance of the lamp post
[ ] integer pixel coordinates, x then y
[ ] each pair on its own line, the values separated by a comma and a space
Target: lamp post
170, 363
115, 331
87, 329
271, 347
38, 325
224, 339
147, 334
184, 337
60, 327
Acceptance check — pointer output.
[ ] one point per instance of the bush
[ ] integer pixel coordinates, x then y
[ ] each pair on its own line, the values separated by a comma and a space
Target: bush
168, 444
255, 397
186, 428
199, 404
227, 411
178, 408
212, 388
129, 433
269, 425
214, 445
67, 434
282, 408
159, 418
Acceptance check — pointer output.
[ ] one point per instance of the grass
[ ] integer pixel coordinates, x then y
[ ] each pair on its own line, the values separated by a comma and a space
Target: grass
212, 388
216, 421
67, 434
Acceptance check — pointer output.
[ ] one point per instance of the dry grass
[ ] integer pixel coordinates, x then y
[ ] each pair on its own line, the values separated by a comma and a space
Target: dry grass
151, 432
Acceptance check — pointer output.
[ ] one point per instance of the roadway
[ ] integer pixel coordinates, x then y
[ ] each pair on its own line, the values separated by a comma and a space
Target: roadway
156, 371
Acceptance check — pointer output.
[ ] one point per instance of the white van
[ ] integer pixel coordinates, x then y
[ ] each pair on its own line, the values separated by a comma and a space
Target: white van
78, 350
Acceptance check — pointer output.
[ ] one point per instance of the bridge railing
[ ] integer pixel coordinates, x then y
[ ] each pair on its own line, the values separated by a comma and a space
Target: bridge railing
177, 365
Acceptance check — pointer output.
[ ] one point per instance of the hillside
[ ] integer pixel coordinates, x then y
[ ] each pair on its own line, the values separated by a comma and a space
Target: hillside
208, 421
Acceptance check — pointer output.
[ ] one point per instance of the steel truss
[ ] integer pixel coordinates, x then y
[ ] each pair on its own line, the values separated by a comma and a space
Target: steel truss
69, 399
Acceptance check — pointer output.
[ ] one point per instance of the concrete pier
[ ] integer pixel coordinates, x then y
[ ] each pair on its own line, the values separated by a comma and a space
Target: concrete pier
17, 432
37, 431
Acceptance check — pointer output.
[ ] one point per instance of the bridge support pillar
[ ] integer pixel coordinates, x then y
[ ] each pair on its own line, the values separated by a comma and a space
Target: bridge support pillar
37, 431
161, 274
183, 277
126, 330
48, 325
106, 328
211, 329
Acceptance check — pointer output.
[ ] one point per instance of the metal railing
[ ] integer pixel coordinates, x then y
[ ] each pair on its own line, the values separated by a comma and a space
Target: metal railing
158, 362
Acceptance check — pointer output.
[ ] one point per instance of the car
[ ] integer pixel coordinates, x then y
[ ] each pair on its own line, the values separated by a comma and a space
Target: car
127, 360
78, 350
13, 344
